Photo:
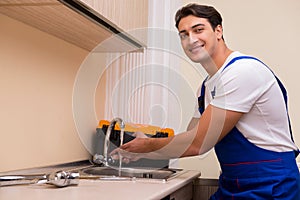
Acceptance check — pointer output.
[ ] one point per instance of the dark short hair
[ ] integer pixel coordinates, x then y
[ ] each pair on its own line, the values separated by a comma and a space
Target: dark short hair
202, 11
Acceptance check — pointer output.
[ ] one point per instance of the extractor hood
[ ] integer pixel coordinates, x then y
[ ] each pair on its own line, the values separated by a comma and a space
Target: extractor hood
73, 22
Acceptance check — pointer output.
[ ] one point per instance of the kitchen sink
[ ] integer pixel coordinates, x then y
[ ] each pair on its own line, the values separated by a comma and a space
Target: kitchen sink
111, 173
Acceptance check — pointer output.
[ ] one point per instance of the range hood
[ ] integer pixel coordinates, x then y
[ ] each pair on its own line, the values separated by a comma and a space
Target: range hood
100, 20
72, 21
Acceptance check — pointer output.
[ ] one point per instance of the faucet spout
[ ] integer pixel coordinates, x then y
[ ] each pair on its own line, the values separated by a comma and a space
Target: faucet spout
107, 136
116, 120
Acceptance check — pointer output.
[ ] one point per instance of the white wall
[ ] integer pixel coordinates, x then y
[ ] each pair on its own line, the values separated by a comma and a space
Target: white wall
268, 30
37, 73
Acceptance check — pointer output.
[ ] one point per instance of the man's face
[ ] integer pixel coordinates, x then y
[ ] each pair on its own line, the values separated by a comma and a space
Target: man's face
198, 39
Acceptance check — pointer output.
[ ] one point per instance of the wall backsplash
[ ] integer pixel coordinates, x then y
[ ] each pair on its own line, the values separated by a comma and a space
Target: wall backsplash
36, 79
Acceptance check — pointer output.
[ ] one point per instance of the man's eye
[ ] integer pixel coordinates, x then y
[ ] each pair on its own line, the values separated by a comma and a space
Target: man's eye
183, 36
198, 30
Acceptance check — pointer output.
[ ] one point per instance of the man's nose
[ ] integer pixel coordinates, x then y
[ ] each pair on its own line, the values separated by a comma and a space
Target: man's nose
192, 38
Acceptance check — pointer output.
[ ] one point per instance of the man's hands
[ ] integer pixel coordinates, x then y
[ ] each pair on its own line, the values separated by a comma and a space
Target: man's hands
131, 151
214, 124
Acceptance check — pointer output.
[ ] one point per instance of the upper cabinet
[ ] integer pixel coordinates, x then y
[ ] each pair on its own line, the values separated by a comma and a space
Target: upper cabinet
84, 23
126, 14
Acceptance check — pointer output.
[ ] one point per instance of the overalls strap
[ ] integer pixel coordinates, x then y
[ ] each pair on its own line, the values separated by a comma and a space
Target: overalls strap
283, 90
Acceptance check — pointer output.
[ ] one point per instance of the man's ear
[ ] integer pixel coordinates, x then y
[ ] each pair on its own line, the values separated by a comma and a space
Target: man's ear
219, 32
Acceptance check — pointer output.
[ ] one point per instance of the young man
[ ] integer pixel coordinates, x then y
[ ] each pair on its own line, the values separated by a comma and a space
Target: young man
243, 116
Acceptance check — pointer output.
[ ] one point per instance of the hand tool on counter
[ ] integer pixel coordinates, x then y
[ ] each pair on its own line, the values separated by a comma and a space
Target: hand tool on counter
58, 179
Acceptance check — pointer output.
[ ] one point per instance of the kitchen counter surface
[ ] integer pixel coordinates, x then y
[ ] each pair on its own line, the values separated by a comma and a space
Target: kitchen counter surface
101, 189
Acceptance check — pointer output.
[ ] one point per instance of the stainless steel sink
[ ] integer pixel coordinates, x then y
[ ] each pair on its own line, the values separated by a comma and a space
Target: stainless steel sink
136, 173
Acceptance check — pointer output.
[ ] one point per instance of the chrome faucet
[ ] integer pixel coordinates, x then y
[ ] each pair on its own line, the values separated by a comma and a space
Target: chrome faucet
105, 159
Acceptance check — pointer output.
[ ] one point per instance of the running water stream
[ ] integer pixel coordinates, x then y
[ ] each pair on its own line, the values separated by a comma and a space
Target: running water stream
107, 141
120, 156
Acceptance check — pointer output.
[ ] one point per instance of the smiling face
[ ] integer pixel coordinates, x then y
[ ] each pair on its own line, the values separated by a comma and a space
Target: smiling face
198, 39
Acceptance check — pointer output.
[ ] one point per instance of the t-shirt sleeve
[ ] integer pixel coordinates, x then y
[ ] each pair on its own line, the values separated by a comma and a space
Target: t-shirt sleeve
241, 84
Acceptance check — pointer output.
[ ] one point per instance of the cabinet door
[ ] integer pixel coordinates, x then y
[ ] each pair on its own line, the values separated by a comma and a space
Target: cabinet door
126, 14
184, 193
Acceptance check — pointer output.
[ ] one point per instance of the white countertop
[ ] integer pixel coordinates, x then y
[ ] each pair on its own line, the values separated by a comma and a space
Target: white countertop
101, 189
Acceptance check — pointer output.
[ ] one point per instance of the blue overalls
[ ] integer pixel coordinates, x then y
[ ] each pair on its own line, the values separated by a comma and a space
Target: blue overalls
250, 172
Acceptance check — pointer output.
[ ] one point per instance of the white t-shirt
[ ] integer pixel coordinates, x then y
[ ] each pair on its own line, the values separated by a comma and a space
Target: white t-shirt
250, 87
